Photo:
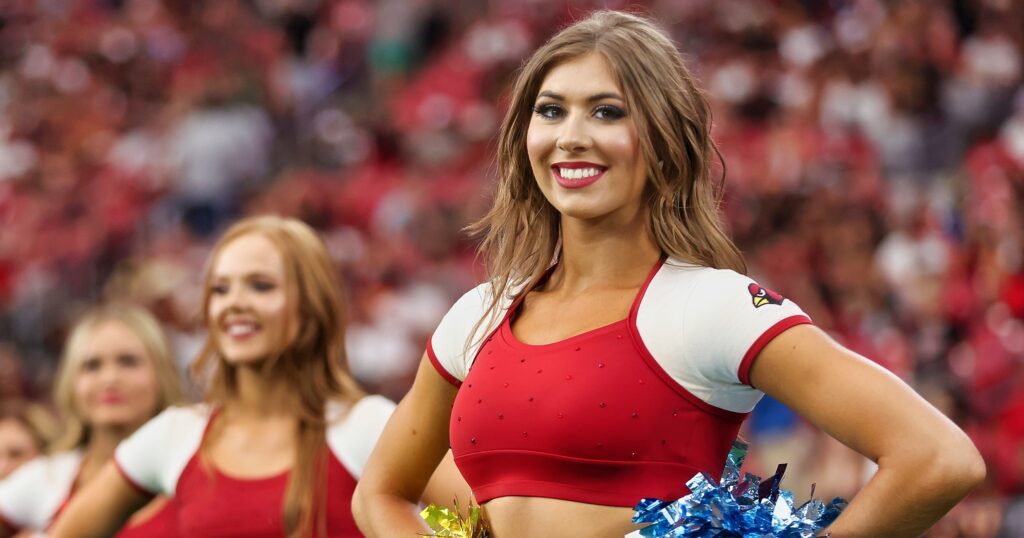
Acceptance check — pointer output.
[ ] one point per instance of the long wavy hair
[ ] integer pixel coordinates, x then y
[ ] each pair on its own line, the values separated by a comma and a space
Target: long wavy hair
521, 231
313, 362
76, 430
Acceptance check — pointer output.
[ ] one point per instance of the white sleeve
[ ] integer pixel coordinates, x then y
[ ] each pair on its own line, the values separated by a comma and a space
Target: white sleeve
352, 439
447, 346
31, 496
705, 327
153, 458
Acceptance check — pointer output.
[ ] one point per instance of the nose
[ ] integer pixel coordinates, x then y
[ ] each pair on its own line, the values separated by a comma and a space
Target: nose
574, 136
236, 297
110, 374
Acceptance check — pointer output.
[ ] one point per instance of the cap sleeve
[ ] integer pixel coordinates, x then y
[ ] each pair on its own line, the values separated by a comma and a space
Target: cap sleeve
730, 319
352, 439
31, 495
447, 347
153, 457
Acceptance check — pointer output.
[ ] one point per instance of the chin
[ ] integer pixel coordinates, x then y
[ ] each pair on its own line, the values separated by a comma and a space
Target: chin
117, 420
581, 211
243, 359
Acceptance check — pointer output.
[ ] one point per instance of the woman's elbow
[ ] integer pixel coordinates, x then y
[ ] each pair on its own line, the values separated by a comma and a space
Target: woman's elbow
359, 504
957, 468
970, 471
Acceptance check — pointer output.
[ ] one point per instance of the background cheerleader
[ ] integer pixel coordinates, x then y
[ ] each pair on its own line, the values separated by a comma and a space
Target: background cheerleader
116, 373
25, 431
286, 432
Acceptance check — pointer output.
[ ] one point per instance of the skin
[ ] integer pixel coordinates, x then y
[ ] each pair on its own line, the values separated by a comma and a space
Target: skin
254, 436
607, 252
116, 387
115, 391
16, 446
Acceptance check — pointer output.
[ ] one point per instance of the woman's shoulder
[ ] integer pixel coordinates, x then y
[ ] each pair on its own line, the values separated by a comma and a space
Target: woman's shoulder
369, 408
355, 430
180, 418
52, 469
177, 429
31, 495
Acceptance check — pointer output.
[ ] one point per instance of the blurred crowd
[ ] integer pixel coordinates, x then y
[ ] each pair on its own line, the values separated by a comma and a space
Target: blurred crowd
874, 164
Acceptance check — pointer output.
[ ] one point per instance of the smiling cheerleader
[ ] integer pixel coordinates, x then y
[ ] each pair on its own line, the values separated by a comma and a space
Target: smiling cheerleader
286, 431
618, 346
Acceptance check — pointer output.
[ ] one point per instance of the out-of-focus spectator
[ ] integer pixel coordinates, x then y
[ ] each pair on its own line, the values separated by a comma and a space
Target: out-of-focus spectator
26, 430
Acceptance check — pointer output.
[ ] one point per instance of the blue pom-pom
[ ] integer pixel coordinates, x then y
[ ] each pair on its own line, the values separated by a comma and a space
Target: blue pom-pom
735, 508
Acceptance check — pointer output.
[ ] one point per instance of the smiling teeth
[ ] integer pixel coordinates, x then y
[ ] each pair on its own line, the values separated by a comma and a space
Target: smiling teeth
237, 330
578, 173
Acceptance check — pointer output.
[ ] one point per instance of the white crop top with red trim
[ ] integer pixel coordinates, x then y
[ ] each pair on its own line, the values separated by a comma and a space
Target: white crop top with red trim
32, 495
703, 326
154, 457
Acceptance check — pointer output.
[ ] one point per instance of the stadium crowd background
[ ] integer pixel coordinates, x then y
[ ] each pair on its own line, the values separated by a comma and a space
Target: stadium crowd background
875, 175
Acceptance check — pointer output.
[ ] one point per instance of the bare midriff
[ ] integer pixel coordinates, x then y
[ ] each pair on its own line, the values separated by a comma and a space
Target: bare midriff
536, 517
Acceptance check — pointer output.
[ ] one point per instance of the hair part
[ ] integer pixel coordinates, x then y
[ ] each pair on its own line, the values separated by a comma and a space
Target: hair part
313, 361
76, 431
521, 232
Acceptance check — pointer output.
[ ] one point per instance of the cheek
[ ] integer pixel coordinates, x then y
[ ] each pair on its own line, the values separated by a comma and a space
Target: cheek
82, 391
275, 308
539, 143
624, 145
142, 380
213, 310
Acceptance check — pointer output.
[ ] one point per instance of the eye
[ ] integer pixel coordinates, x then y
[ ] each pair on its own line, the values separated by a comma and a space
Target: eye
128, 360
609, 112
91, 364
263, 286
219, 289
548, 111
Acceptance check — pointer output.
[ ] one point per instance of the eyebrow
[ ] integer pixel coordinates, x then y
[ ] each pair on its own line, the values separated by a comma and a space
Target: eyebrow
253, 274
592, 98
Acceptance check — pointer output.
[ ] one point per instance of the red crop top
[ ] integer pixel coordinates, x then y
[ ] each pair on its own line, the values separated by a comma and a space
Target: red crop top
629, 410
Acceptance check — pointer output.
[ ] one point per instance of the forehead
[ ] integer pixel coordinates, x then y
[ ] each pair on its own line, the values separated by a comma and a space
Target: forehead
586, 75
111, 335
14, 431
247, 254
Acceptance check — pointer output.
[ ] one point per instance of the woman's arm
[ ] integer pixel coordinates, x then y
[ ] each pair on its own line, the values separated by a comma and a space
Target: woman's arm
926, 464
101, 508
385, 503
446, 485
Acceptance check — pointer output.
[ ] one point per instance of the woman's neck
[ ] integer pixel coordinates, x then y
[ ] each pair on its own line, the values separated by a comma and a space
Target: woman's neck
615, 250
100, 448
260, 395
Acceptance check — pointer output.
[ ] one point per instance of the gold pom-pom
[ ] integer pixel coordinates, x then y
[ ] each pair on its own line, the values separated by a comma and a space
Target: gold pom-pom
447, 523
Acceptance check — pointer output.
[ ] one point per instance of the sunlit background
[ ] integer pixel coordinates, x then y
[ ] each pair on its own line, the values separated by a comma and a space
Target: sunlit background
875, 157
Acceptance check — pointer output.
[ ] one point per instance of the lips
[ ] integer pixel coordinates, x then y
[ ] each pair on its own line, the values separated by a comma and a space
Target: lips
240, 330
111, 399
576, 175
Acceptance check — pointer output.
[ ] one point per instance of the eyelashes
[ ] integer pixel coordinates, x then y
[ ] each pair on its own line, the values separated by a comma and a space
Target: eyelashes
551, 111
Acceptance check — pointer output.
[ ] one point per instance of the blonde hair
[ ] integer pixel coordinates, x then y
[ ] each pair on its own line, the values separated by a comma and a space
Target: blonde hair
521, 230
313, 361
143, 325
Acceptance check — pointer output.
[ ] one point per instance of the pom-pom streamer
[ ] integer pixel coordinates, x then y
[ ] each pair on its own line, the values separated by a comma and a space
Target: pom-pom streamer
734, 508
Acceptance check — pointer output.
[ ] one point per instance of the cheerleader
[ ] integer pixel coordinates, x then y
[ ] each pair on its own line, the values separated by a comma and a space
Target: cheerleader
25, 430
115, 374
617, 346
286, 431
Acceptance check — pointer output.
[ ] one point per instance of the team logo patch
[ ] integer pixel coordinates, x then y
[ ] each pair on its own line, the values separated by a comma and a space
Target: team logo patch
762, 295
